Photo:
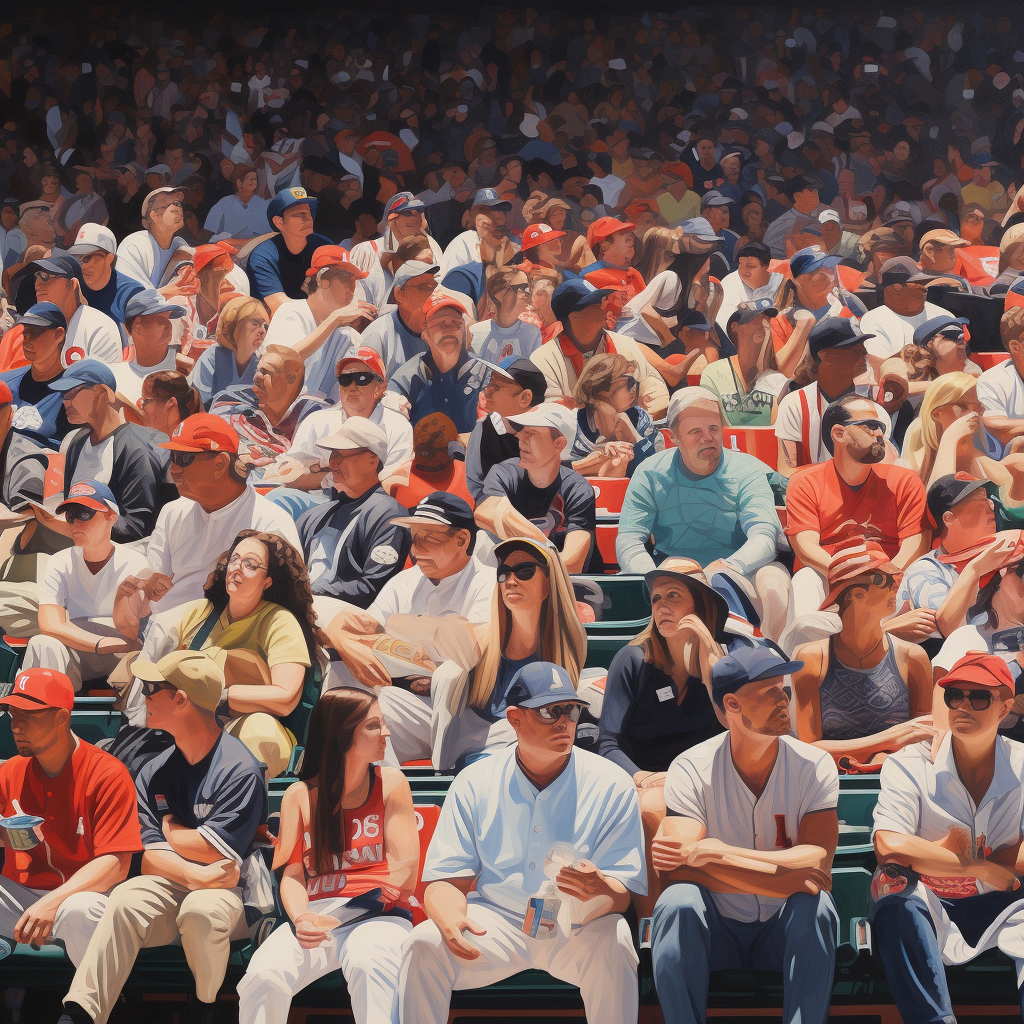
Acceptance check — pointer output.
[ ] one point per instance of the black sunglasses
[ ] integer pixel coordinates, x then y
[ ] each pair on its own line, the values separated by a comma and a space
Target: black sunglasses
979, 699
79, 512
523, 571
360, 379
553, 712
877, 425
185, 459
150, 688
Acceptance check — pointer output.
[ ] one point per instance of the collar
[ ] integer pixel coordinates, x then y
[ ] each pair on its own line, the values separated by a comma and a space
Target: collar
579, 359
1003, 777
529, 790
431, 367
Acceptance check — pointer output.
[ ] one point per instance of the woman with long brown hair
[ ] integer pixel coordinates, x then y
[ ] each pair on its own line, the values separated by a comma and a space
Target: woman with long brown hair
167, 399
350, 851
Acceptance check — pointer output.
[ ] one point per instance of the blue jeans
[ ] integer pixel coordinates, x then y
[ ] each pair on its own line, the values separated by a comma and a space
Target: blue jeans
690, 939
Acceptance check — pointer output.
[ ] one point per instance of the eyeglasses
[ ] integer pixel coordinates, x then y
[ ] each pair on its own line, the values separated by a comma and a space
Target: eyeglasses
346, 380
875, 426
493, 389
253, 322
553, 712
447, 322
42, 277
629, 383
879, 579
150, 689
167, 206
524, 287
143, 402
953, 337
523, 571
249, 566
979, 699
79, 512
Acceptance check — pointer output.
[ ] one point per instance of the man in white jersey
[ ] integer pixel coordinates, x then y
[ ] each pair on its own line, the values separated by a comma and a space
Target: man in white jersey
144, 255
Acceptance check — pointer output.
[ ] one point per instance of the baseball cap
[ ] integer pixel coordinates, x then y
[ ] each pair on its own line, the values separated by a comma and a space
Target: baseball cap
147, 203
944, 237
694, 319
834, 332
440, 509
682, 399
521, 371
490, 197
334, 256
357, 432
690, 573
542, 683
715, 198
748, 665
537, 234
976, 668
548, 414
575, 294
699, 228
149, 302
603, 227
938, 324
747, 311
903, 270
206, 254
88, 372
11, 203
829, 217
802, 182
203, 432
807, 261
195, 673
93, 238
44, 314
286, 199
60, 265
948, 491
882, 238
367, 357
898, 215
400, 202
852, 563
413, 268
46, 687
438, 301
91, 494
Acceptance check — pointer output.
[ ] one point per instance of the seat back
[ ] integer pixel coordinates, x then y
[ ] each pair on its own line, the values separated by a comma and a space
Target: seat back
606, 534
757, 441
609, 493
426, 821
298, 721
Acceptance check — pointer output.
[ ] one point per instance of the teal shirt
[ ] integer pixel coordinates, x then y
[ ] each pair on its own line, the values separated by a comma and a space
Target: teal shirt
729, 514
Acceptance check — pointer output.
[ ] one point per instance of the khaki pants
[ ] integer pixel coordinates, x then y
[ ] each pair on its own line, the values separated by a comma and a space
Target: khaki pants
150, 911
19, 609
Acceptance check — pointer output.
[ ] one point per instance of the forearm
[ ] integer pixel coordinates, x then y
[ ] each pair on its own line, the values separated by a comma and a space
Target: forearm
945, 457
911, 548
1003, 427
923, 856
246, 699
68, 633
952, 612
720, 878
632, 553
190, 844
811, 553
294, 897
760, 548
575, 550
788, 357
98, 875
312, 341
443, 901
168, 864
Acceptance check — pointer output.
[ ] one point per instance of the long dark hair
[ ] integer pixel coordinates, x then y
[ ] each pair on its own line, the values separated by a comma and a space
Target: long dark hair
332, 724
289, 585
986, 595
171, 384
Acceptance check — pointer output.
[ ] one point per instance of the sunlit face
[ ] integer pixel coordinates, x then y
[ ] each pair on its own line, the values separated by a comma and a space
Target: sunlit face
975, 514
248, 574
764, 706
536, 446
79, 402
698, 433
152, 331
531, 593
670, 601
158, 413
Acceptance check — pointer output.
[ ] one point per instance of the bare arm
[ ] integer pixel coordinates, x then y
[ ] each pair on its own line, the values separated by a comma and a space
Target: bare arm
807, 546
54, 621
1003, 427
221, 874
278, 699
497, 515
950, 858
788, 357
274, 301
401, 839
789, 457
911, 549
673, 373
189, 842
575, 549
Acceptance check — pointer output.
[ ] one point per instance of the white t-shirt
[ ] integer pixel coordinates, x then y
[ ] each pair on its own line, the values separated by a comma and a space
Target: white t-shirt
1000, 390
95, 461
141, 258
462, 249
735, 290
324, 422
494, 343
293, 322
961, 641
893, 330
129, 375
68, 583
467, 594
95, 335
703, 784
789, 421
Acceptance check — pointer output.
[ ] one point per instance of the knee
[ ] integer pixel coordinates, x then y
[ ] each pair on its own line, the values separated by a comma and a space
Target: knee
812, 916
683, 906
424, 944
81, 909
198, 913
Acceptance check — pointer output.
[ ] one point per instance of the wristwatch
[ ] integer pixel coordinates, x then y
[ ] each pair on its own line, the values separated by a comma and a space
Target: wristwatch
223, 709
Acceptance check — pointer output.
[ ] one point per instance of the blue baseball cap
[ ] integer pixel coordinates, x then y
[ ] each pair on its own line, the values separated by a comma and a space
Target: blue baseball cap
748, 665
44, 314
575, 294
930, 328
85, 371
148, 302
60, 265
286, 199
701, 229
490, 197
91, 494
400, 202
541, 683
806, 261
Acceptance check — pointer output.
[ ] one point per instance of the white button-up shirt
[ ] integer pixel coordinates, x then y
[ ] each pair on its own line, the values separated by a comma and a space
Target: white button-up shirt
467, 593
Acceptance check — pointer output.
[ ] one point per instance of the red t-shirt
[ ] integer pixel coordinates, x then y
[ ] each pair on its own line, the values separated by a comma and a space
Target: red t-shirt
888, 507
452, 480
89, 810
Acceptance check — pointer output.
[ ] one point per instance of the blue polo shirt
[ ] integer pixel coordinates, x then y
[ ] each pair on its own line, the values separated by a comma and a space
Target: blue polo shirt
455, 393
114, 295
273, 268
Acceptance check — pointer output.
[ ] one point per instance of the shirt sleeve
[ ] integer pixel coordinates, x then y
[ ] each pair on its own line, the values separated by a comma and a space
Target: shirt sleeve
636, 521
802, 504
453, 848
202, 375
53, 587
150, 824
991, 396
823, 792
240, 810
759, 522
619, 839
158, 551
898, 808
923, 586
684, 791
113, 814
283, 640
580, 505
619, 690
501, 481
911, 505
264, 275
787, 422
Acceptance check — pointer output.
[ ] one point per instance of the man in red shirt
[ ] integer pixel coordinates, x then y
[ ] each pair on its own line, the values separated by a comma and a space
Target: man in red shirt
82, 822
854, 496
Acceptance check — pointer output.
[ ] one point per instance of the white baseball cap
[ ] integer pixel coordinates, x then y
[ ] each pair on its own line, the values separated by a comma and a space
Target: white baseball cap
828, 215
93, 238
357, 432
548, 414
684, 398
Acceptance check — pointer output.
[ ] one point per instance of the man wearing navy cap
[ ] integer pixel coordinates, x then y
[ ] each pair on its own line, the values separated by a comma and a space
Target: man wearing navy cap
746, 850
277, 267
487, 217
148, 318
539, 811
715, 208
943, 336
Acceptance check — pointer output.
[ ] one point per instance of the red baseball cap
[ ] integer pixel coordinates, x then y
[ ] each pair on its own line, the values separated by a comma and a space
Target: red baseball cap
853, 563
334, 256
203, 432
438, 300
206, 254
538, 234
41, 687
977, 668
368, 357
603, 227
5, 394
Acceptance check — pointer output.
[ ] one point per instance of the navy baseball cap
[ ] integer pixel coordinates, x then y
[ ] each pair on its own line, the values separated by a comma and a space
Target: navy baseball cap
490, 197
950, 490
834, 332
694, 319
44, 314
521, 371
575, 294
62, 265
85, 371
91, 494
747, 311
748, 665
286, 199
440, 509
930, 328
806, 261
148, 302
542, 683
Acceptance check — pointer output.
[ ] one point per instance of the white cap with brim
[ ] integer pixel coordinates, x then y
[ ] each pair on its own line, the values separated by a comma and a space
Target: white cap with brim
684, 398
357, 432
548, 414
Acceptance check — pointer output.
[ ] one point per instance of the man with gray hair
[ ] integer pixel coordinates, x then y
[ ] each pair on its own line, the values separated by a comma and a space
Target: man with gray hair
144, 255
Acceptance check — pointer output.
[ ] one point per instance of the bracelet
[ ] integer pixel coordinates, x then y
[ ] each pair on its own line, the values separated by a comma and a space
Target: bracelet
96, 647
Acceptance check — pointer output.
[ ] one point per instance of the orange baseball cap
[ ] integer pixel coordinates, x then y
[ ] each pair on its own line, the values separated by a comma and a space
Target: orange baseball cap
853, 563
439, 300
603, 227
538, 234
206, 254
978, 668
368, 357
35, 688
203, 432
334, 256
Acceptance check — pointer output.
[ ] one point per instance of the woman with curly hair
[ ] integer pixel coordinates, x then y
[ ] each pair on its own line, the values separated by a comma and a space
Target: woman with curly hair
257, 623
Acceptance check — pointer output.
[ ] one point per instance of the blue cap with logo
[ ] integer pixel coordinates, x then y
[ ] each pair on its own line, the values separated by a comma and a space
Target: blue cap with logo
954, 325
46, 315
286, 199
575, 294
490, 197
91, 494
541, 683
88, 372
806, 261
748, 665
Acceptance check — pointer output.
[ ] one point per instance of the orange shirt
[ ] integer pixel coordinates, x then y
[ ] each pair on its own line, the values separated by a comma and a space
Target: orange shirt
421, 484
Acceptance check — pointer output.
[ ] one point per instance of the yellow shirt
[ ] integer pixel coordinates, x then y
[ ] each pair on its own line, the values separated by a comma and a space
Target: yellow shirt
677, 210
271, 631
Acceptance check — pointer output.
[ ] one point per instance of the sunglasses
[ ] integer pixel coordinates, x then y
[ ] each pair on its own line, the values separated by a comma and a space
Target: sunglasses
523, 571
979, 699
553, 712
185, 459
876, 426
879, 579
42, 277
150, 689
79, 512
953, 336
519, 288
359, 379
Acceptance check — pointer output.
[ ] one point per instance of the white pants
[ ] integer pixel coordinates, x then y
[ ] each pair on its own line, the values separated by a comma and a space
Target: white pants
598, 957
73, 924
48, 652
805, 621
369, 954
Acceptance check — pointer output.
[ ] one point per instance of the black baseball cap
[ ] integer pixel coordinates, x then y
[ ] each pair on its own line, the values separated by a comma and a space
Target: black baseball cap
694, 319
747, 311
523, 372
938, 324
834, 332
903, 270
61, 265
44, 314
950, 490
756, 249
748, 665
802, 182
440, 509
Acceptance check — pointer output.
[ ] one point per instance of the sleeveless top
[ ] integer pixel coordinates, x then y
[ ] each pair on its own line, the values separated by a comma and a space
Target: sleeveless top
364, 865
858, 702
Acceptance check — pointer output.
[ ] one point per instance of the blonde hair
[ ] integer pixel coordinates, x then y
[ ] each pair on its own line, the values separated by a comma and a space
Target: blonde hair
563, 640
922, 444
235, 310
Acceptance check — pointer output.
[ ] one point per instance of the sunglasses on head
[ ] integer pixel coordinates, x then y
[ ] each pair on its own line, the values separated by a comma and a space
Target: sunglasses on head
79, 512
523, 571
979, 699
359, 379
553, 712
878, 579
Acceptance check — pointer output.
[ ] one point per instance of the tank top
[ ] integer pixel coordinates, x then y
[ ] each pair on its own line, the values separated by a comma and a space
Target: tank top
364, 865
857, 702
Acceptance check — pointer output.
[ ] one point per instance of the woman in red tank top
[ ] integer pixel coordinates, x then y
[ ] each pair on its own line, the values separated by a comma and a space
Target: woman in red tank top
350, 853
